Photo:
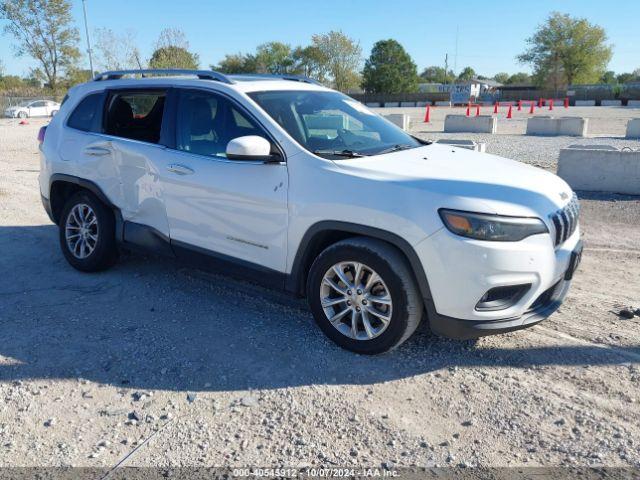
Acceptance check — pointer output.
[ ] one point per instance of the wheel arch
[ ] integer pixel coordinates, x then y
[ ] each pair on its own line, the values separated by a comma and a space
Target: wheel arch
323, 234
62, 187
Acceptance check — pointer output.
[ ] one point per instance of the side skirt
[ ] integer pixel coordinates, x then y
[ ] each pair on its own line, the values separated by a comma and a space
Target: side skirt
147, 239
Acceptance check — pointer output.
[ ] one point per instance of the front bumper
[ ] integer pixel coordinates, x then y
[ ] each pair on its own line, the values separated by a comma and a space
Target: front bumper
460, 271
547, 304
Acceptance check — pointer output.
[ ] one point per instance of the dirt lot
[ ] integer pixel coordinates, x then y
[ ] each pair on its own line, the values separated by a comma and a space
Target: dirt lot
188, 368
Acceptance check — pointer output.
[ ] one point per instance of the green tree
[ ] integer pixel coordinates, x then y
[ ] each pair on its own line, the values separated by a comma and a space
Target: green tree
274, 58
435, 74
236, 63
75, 76
467, 74
624, 77
311, 62
341, 57
389, 69
502, 77
43, 30
609, 77
567, 50
172, 51
116, 51
520, 78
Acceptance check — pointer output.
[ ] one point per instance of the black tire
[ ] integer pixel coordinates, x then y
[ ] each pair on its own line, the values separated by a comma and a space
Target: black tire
392, 267
105, 252
23, 115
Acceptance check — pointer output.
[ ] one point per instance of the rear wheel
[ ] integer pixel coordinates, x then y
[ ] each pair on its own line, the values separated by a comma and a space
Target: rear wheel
87, 233
22, 115
363, 295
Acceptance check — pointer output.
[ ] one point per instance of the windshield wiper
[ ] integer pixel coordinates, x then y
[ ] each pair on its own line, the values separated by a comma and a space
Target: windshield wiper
340, 153
395, 148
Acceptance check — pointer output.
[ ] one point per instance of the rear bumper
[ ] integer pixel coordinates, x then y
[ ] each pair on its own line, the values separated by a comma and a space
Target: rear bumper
47, 207
543, 307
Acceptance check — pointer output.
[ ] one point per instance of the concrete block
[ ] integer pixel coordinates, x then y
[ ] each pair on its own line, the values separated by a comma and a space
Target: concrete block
391, 104
611, 103
600, 170
468, 144
407, 104
402, 120
422, 104
551, 126
585, 103
633, 103
633, 128
442, 103
462, 123
373, 104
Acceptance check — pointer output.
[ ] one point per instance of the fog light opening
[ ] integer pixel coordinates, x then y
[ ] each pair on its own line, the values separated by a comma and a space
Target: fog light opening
499, 298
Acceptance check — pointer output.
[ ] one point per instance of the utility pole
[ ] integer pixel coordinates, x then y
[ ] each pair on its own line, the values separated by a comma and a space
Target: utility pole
455, 58
86, 29
446, 67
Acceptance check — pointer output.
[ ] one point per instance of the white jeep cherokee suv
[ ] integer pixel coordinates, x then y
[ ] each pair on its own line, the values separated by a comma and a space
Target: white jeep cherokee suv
305, 189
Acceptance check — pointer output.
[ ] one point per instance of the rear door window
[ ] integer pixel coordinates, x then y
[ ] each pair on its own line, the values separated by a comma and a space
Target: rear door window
84, 114
135, 115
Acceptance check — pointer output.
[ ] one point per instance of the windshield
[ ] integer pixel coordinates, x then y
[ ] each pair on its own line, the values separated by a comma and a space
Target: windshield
331, 124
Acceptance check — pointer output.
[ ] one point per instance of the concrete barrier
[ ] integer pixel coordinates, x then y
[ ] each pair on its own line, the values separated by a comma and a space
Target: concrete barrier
585, 103
633, 128
551, 126
373, 104
391, 104
633, 103
600, 170
468, 144
462, 123
402, 120
611, 103
442, 103
407, 104
422, 104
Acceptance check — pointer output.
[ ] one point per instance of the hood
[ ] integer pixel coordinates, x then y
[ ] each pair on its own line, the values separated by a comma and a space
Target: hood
467, 180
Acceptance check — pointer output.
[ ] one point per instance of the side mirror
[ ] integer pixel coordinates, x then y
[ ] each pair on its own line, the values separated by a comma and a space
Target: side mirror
250, 147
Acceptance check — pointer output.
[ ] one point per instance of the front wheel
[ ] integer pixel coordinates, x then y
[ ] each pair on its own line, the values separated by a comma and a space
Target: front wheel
22, 115
363, 295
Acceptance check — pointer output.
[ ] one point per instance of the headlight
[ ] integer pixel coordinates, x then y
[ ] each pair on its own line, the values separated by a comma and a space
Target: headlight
494, 228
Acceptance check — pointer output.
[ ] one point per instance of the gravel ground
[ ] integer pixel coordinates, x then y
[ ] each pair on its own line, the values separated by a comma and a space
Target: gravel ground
177, 367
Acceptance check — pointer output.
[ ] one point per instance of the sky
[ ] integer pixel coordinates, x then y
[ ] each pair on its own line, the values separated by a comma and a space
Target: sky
490, 33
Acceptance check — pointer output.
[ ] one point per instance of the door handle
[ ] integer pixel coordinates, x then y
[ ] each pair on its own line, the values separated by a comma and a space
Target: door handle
180, 169
97, 151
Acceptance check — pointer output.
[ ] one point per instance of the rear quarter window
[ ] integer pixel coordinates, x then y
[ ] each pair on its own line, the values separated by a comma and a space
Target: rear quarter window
84, 114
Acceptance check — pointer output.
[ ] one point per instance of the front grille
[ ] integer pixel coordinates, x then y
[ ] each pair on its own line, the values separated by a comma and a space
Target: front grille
565, 220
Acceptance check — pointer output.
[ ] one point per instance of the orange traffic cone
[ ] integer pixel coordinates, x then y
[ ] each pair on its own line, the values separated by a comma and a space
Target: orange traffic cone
477, 110
23, 122
566, 102
531, 109
551, 104
468, 109
495, 107
540, 103
427, 114
509, 112
519, 105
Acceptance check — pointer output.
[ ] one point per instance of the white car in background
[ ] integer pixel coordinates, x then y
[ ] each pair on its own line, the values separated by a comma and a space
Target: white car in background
33, 108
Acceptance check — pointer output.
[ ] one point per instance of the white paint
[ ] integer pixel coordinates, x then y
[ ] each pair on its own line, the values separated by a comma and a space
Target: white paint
600, 170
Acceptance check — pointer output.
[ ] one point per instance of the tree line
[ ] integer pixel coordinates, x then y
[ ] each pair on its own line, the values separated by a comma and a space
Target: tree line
563, 50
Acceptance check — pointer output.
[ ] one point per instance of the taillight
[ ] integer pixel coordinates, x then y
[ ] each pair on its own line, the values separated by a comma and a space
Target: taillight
41, 134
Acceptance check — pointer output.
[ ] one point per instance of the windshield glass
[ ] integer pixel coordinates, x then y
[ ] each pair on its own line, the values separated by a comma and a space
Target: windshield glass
331, 124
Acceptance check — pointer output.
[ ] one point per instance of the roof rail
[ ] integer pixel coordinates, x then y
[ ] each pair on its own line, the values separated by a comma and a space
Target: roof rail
266, 76
202, 74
